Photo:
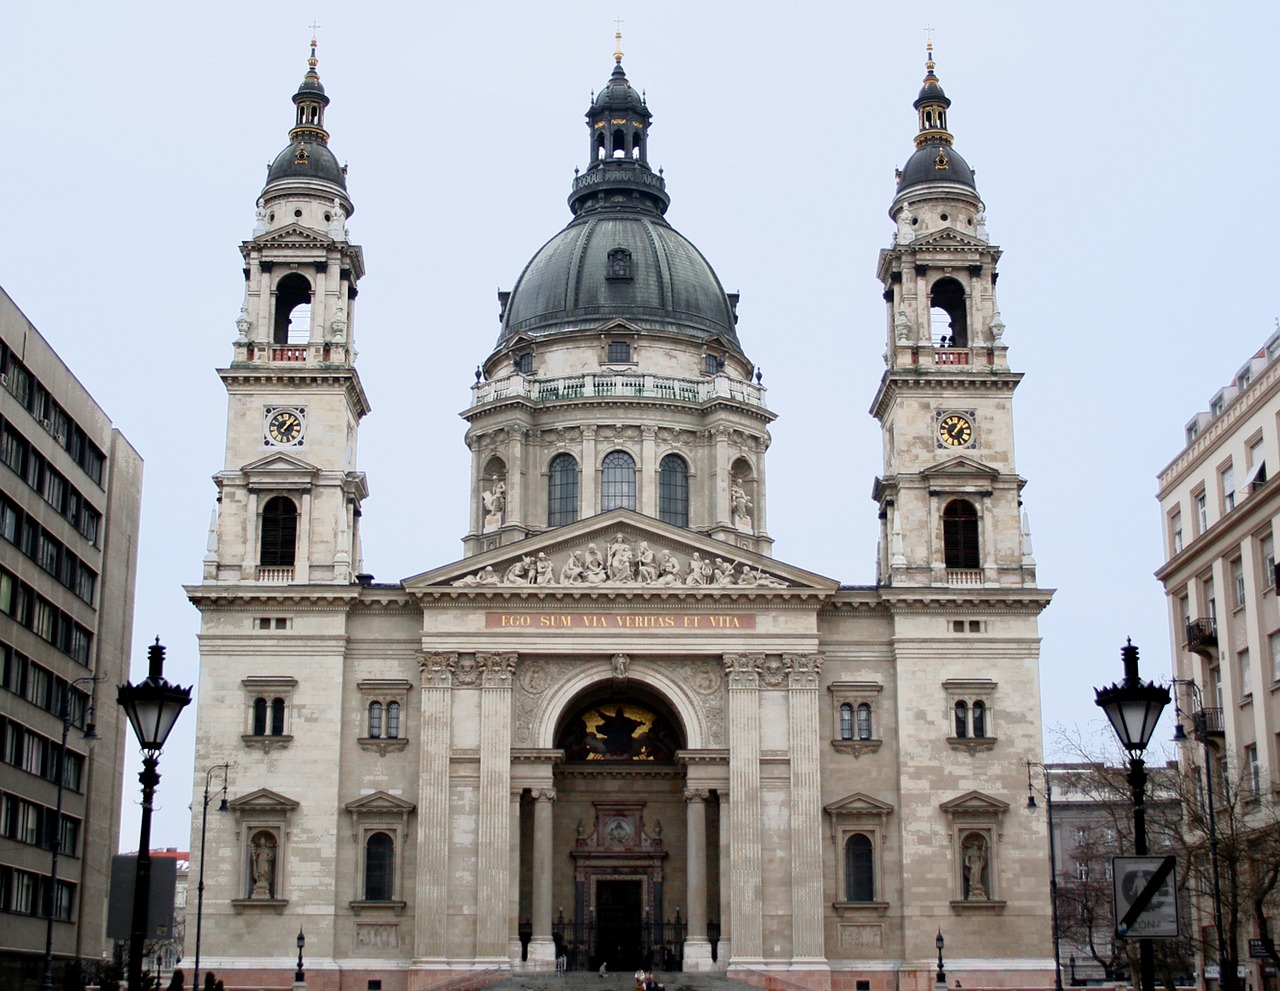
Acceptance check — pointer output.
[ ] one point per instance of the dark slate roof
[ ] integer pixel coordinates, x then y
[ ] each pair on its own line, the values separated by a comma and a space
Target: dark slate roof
320, 164
566, 286
922, 167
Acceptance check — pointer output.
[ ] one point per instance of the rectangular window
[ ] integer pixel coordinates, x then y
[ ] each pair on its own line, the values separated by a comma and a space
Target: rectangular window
1202, 512
33, 753
619, 351
1237, 582
1210, 599
1267, 551
1227, 478
1215, 685
1252, 776
1246, 674
1175, 531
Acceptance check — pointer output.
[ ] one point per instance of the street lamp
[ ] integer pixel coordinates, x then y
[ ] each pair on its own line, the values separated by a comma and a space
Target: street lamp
942, 974
204, 825
1200, 726
300, 977
1053, 864
153, 706
55, 834
1134, 708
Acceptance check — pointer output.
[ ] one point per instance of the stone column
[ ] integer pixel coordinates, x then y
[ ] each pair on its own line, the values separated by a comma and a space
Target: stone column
697, 949
647, 478
725, 949
249, 566
517, 497
807, 944
494, 854
721, 511
542, 949
744, 822
432, 889
588, 473
513, 885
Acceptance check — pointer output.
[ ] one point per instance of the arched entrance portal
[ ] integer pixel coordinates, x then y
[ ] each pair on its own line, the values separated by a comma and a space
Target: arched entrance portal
621, 847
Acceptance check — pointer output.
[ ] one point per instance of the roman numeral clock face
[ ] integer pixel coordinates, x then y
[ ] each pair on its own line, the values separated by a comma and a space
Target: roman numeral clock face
285, 427
955, 430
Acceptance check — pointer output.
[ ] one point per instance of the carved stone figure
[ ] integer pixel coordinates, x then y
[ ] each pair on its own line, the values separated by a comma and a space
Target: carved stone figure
495, 498
593, 565
572, 573
619, 663
669, 573
264, 865
243, 325
741, 502
260, 219
694, 576
620, 560
520, 573
981, 221
997, 328
646, 564
975, 862
543, 570
902, 327
905, 231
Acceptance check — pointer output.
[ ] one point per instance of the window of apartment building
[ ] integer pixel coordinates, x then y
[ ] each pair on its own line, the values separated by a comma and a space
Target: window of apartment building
1246, 673
1210, 599
1237, 583
1215, 685
1274, 642
1257, 464
1267, 552
1227, 479
1175, 531
269, 701
1253, 778
1202, 511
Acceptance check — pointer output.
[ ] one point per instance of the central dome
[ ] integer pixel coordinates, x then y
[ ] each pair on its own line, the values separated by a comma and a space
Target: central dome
632, 265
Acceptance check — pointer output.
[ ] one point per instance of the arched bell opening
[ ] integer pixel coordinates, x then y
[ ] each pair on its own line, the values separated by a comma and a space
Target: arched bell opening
293, 310
948, 314
622, 850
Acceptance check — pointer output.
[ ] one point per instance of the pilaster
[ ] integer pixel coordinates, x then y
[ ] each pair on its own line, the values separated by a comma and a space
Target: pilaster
806, 810
742, 672
494, 854
432, 889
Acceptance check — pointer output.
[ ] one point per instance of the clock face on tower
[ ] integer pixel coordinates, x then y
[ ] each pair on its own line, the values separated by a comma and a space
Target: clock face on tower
285, 426
955, 430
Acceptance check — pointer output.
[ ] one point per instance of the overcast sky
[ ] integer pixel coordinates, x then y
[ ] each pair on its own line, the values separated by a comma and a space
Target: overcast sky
1126, 153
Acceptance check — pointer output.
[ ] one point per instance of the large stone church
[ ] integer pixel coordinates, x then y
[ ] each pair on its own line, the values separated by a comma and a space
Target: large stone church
619, 731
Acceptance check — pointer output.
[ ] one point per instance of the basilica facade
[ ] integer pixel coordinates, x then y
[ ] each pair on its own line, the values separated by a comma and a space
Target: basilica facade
619, 731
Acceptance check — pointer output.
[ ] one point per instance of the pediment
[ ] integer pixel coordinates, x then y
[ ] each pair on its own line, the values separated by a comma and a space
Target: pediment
278, 461
947, 237
294, 234
621, 550
960, 467
859, 803
263, 800
380, 802
618, 326
974, 802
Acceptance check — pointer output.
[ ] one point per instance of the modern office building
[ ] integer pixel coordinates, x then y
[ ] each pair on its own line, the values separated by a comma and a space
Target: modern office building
618, 730
70, 497
1218, 506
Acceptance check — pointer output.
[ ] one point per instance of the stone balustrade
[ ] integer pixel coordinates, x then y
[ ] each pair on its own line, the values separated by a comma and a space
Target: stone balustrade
617, 385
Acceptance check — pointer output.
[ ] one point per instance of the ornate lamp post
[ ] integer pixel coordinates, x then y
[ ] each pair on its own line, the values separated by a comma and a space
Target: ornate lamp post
299, 977
153, 706
1134, 708
941, 977
1200, 726
55, 834
204, 825
1053, 864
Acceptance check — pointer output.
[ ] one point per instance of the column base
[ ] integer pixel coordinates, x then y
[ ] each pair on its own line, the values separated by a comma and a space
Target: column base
514, 951
542, 954
697, 955
724, 951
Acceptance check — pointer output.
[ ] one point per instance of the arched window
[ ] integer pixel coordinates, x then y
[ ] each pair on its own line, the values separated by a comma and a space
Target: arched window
618, 482
259, 717
279, 533
979, 719
379, 867
293, 310
277, 717
948, 314
864, 721
619, 143
562, 490
393, 720
960, 535
375, 720
859, 869
673, 490
962, 719
846, 721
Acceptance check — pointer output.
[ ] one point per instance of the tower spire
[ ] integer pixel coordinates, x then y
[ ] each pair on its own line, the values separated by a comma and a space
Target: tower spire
932, 105
310, 101
617, 41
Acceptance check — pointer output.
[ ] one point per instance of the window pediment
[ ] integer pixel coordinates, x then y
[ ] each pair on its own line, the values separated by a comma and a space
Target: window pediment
974, 803
859, 804
262, 800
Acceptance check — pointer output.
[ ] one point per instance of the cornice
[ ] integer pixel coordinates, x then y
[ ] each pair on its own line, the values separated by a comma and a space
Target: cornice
254, 376
300, 598
474, 414
994, 600
658, 599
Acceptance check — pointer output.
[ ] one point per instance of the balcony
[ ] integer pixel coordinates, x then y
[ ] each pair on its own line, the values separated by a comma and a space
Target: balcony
275, 575
1202, 636
290, 353
950, 356
619, 386
1208, 723
964, 576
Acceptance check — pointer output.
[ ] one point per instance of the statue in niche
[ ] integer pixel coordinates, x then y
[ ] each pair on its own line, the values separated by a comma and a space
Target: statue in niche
263, 865
741, 501
975, 863
619, 663
495, 498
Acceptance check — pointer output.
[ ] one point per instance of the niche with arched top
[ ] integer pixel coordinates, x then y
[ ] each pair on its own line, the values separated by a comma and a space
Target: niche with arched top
293, 310
742, 490
620, 730
949, 314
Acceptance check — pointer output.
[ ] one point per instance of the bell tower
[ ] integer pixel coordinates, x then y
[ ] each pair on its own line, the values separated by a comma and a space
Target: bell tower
949, 497
289, 492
